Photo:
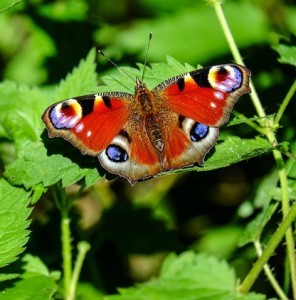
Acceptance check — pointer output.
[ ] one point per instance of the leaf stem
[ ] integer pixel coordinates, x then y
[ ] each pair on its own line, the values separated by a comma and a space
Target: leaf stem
66, 253
10, 6
83, 248
236, 54
268, 251
254, 272
269, 274
285, 103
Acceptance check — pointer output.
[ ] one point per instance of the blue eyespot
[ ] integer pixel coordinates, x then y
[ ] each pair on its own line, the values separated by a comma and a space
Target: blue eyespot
116, 154
198, 132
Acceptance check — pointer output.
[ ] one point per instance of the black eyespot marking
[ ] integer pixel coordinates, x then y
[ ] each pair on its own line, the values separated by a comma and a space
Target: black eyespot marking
107, 101
87, 106
198, 132
65, 105
181, 84
201, 77
116, 153
222, 71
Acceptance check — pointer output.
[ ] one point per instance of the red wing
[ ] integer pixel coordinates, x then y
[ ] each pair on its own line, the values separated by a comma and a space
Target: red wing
89, 122
206, 95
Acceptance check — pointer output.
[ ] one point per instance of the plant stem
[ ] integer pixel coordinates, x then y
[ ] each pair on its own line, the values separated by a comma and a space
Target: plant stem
63, 204
237, 57
10, 6
268, 251
269, 274
83, 248
285, 103
254, 272
66, 253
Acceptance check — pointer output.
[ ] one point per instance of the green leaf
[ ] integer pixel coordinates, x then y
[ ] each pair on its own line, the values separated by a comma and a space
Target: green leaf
35, 283
87, 291
219, 241
4, 277
23, 107
287, 54
35, 166
256, 226
234, 149
14, 213
262, 196
188, 276
81, 81
71, 10
154, 75
60, 161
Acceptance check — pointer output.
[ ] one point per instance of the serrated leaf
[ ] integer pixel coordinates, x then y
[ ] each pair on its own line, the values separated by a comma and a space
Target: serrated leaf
234, 149
205, 270
154, 75
287, 54
35, 166
33, 264
4, 277
82, 80
14, 213
23, 107
188, 276
35, 283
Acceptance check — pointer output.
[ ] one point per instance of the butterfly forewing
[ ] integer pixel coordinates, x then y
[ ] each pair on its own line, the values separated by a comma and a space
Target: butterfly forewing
206, 95
89, 122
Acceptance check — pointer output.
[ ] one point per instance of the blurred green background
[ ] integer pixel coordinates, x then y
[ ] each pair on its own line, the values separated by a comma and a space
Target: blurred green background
132, 228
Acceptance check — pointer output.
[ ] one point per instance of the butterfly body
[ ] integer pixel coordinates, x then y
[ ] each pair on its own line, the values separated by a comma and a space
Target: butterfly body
153, 131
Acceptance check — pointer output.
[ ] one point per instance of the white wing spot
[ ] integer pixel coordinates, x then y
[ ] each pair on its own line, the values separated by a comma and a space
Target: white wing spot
213, 105
79, 127
88, 134
219, 95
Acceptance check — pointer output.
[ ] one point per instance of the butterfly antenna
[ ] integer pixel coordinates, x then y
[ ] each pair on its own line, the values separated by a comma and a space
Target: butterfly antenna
147, 52
115, 65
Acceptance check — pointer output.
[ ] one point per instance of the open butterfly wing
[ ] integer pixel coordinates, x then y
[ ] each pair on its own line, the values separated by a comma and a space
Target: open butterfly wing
89, 122
206, 95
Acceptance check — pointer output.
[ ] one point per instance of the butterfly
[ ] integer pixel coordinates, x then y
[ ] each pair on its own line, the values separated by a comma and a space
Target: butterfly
145, 134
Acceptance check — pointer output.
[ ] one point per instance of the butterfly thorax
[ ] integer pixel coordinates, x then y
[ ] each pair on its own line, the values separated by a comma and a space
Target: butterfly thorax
147, 105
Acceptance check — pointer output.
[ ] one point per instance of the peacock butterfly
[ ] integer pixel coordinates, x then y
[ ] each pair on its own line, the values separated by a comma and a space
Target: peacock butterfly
153, 131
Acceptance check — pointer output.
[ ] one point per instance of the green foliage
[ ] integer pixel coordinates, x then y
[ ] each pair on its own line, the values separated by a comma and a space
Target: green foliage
36, 282
188, 276
287, 54
14, 223
228, 216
